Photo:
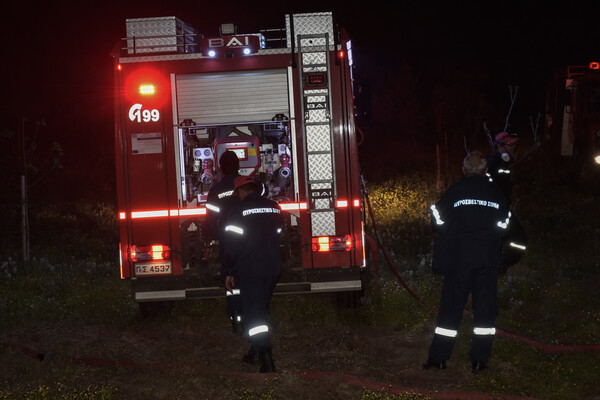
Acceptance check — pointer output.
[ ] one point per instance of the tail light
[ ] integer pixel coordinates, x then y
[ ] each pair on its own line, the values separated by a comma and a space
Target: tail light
315, 79
156, 252
147, 89
345, 203
332, 243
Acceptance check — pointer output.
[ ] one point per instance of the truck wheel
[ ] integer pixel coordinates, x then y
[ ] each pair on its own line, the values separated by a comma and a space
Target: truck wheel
156, 309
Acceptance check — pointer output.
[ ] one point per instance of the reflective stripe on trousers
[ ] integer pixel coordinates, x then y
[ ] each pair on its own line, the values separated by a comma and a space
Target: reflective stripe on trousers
258, 330
484, 331
446, 332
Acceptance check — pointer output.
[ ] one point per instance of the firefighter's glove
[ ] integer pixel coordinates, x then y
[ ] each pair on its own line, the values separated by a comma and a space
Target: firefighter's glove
229, 283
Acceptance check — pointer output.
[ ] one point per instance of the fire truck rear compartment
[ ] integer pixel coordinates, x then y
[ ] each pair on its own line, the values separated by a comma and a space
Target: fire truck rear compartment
287, 113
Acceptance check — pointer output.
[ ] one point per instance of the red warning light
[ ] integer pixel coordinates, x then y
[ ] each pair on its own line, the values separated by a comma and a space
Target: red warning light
594, 65
147, 89
341, 54
316, 79
147, 85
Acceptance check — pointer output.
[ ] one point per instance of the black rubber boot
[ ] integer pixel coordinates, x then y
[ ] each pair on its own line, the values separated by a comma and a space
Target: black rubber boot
435, 364
251, 357
478, 367
266, 361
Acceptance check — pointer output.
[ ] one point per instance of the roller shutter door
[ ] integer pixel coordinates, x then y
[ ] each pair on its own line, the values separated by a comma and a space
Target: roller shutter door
229, 98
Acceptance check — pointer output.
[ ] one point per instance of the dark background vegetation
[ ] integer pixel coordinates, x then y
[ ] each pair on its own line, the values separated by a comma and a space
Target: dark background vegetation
427, 73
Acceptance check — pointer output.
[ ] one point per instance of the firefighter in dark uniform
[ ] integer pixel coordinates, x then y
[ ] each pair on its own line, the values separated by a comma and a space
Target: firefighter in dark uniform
219, 203
254, 262
471, 218
499, 163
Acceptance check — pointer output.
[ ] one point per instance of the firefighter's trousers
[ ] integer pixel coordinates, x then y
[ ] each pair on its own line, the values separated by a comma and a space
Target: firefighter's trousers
233, 300
482, 284
256, 295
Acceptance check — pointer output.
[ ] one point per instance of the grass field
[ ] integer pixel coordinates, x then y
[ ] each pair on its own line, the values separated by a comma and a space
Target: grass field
551, 296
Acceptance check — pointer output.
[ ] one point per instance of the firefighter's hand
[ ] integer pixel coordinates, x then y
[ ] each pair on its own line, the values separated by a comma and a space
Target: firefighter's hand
229, 283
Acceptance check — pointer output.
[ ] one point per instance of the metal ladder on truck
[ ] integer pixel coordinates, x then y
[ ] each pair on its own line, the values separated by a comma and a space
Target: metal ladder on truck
317, 133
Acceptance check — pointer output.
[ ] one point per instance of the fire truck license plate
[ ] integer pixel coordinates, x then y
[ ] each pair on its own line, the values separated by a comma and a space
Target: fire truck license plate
153, 269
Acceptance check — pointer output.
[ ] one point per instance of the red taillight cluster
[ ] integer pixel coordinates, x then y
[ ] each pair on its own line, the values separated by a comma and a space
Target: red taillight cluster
315, 79
332, 243
156, 252
344, 203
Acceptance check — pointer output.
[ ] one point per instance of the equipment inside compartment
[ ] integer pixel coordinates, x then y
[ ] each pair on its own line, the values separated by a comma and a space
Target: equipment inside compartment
263, 150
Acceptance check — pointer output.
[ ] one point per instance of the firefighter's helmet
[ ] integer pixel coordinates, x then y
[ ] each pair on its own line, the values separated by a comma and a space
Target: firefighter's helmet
506, 138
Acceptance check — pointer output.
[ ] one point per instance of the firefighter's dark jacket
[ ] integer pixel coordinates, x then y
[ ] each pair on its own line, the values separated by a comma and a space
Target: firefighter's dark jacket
252, 237
499, 171
219, 202
471, 218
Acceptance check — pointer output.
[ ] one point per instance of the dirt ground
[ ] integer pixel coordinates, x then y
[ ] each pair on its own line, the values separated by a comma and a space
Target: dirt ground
196, 357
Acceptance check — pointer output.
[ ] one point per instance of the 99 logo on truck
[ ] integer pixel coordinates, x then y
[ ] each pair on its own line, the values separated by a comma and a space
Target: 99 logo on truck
137, 114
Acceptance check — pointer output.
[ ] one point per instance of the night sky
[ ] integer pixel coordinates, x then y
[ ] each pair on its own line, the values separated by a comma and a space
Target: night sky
56, 63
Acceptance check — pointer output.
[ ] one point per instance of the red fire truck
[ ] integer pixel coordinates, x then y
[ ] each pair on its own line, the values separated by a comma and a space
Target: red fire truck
282, 100
573, 112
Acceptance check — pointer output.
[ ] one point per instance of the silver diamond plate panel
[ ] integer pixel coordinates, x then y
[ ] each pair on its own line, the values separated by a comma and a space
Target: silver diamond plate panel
317, 138
313, 92
310, 24
321, 204
323, 223
311, 44
146, 30
319, 167
323, 185
315, 99
314, 69
318, 116
313, 58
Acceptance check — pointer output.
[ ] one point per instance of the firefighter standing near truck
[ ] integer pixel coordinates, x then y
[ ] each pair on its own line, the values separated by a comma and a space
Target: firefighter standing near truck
471, 218
252, 248
218, 205
499, 164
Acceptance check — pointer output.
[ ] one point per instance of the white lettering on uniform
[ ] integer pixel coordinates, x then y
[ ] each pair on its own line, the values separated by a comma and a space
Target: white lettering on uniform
263, 210
476, 202
226, 194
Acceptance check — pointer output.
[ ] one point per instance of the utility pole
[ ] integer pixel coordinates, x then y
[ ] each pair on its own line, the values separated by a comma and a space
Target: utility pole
24, 200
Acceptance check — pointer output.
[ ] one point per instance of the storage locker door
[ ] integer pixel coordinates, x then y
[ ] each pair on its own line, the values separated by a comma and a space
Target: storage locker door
229, 98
